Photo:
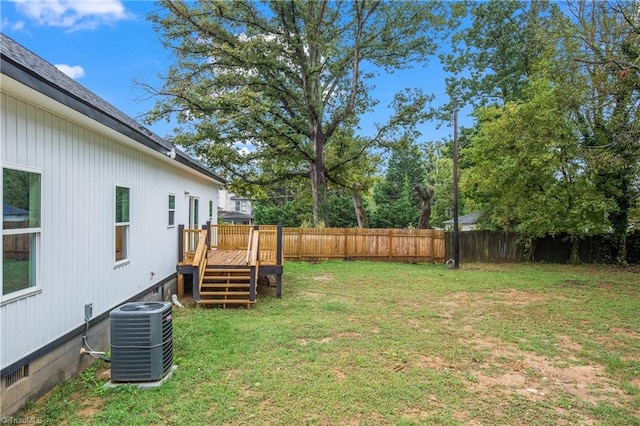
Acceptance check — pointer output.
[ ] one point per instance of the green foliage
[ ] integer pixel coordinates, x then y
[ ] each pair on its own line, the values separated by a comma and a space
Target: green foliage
267, 91
396, 200
527, 167
296, 211
491, 59
609, 122
289, 212
574, 70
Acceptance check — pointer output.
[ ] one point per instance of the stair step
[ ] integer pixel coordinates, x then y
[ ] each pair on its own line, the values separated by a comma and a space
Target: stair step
224, 293
226, 302
226, 277
227, 270
224, 285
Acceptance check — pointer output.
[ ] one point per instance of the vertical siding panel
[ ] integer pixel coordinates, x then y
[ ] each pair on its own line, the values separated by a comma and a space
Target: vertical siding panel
3, 134
21, 137
10, 142
48, 198
57, 236
31, 140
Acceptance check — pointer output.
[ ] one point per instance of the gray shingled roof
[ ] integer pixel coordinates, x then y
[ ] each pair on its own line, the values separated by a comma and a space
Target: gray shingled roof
81, 99
467, 219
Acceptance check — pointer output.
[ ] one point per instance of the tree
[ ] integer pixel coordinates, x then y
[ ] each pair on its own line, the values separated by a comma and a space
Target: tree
396, 199
528, 168
491, 59
606, 40
591, 50
265, 87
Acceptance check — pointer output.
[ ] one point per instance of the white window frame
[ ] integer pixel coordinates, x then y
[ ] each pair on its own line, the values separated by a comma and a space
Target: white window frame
37, 232
126, 225
171, 225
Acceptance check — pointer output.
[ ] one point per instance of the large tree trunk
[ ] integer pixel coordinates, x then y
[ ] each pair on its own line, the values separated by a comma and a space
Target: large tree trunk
318, 176
425, 206
361, 214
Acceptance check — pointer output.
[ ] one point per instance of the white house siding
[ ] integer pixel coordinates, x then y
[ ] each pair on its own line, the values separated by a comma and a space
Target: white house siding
80, 168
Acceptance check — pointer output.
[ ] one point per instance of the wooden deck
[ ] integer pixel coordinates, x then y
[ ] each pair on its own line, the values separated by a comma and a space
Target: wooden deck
224, 262
226, 258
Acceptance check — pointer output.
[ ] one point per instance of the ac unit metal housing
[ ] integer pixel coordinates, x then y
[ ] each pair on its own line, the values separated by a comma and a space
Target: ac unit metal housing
141, 341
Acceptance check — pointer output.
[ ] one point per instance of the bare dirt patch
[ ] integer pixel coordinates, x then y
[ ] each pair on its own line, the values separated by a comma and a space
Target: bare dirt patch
508, 369
566, 344
323, 278
625, 332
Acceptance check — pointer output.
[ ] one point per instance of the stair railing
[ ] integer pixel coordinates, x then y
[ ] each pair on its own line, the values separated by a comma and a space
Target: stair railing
200, 263
253, 261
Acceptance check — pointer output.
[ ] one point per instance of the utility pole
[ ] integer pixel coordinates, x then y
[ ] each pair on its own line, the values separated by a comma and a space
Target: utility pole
456, 235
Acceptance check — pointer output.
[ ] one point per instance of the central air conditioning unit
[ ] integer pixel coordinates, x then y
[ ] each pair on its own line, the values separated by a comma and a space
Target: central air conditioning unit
141, 341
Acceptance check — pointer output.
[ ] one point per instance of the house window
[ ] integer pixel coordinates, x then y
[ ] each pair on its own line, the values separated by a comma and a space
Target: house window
210, 209
172, 210
20, 230
122, 223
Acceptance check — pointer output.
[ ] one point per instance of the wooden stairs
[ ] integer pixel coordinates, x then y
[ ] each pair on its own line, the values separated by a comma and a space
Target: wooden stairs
226, 287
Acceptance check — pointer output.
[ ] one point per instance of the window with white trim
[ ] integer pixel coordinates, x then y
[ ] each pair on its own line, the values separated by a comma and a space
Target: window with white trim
21, 222
122, 224
172, 210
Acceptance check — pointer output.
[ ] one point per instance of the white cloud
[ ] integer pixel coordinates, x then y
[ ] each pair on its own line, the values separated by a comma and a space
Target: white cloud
16, 26
74, 15
73, 71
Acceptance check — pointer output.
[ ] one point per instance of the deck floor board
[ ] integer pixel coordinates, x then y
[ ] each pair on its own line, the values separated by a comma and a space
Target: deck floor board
227, 257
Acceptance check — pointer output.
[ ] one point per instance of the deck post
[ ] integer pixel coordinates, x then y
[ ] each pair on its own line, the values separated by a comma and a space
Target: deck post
208, 225
279, 285
180, 243
195, 284
253, 281
279, 253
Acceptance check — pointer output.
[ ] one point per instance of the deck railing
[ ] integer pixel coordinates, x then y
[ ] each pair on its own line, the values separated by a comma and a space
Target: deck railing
239, 237
190, 241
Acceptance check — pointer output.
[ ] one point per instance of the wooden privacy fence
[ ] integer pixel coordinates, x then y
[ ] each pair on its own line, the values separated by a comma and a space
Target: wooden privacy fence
393, 245
486, 246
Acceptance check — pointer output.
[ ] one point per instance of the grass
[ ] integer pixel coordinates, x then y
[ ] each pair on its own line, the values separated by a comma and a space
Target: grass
377, 343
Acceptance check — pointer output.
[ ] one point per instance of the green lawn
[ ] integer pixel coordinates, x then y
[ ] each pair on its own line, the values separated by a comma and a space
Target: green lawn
378, 343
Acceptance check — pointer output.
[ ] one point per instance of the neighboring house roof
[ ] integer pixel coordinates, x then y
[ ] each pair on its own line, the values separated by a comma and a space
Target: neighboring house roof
8, 210
29, 69
467, 219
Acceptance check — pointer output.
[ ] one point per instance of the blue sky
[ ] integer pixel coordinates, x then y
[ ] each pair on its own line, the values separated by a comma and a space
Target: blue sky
107, 45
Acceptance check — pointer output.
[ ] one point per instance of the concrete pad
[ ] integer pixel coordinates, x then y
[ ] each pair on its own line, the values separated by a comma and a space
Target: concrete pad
144, 385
